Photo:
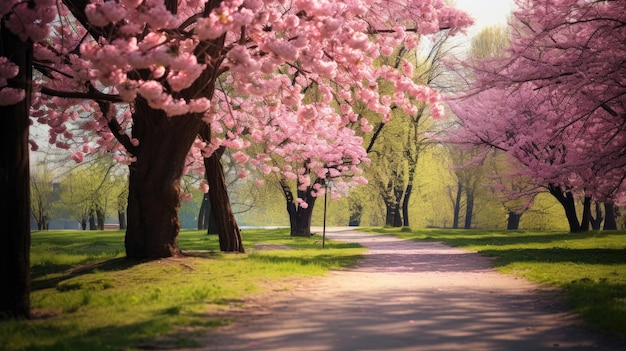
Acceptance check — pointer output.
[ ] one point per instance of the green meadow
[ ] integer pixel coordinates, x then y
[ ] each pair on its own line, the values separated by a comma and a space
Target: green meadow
590, 267
87, 296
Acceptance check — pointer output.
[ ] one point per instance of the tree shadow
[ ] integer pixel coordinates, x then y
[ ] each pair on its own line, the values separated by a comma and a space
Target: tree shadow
558, 254
66, 272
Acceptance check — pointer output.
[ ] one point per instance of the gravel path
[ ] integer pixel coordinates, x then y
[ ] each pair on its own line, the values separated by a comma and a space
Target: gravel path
407, 296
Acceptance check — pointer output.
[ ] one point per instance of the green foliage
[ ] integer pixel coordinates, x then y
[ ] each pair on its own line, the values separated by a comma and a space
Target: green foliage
590, 268
87, 296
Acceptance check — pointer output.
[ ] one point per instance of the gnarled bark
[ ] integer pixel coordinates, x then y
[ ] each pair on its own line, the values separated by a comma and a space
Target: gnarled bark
154, 189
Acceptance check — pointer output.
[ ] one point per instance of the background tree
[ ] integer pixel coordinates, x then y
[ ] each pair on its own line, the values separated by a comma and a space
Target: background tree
42, 196
555, 101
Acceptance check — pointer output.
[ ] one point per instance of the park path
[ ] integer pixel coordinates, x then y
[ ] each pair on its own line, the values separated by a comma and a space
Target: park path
402, 296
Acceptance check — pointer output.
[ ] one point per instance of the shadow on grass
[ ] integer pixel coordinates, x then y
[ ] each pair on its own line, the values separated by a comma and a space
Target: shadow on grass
595, 301
138, 335
68, 272
466, 238
557, 254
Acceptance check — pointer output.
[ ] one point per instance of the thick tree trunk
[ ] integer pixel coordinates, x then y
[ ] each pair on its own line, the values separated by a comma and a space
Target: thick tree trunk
457, 206
226, 223
566, 199
154, 182
299, 217
14, 185
513, 220
609, 214
302, 221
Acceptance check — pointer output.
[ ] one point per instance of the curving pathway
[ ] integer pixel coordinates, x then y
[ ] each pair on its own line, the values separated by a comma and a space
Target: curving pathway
417, 296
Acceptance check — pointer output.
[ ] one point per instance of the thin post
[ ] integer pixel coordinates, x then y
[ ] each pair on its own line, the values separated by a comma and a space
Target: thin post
324, 227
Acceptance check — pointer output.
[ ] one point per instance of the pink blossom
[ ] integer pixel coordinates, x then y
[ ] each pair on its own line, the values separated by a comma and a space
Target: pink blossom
240, 157
78, 156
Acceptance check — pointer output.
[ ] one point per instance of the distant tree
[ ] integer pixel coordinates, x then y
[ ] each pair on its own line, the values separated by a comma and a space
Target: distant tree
41, 196
555, 101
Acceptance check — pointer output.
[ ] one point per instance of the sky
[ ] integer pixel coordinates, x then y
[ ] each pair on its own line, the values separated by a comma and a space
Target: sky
486, 12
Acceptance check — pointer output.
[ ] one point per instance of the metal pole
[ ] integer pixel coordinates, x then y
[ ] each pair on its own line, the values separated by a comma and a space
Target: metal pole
324, 227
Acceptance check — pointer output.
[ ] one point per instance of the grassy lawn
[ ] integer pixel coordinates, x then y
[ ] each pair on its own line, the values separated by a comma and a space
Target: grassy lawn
589, 267
87, 296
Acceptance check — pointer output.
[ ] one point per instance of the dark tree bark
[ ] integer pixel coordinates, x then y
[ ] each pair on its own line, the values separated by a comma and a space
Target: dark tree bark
299, 217
356, 211
469, 208
513, 220
609, 214
15, 184
597, 220
121, 217
92, 220
204, 212
405, 204
457, 206
586, 218
566, 199
226, 223
154, 189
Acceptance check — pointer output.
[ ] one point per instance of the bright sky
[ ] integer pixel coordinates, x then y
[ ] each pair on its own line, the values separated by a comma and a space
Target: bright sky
486, 12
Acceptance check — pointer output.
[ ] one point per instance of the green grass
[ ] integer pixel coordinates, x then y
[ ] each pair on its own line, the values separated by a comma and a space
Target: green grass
590, 267
87, 296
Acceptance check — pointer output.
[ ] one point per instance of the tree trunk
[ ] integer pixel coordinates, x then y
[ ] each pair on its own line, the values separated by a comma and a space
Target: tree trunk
390, 213
609, 214
397, 216
92, 220
469, 209
154, 181
101, 217
566, 199
405, 204
299, 217
457, 206
203, 213
15, 184
597, 220
121, 217
356, 210
513, 220
586, 218
226, 223
302, 222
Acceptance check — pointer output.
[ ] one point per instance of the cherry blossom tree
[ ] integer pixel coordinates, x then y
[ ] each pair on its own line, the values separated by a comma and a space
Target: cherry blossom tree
143, 76
556, 101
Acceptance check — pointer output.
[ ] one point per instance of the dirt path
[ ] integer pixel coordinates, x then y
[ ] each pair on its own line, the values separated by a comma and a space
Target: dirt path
407, 296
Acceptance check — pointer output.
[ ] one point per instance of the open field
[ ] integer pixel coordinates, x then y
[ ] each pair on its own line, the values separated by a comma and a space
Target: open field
86, 296
590, 267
